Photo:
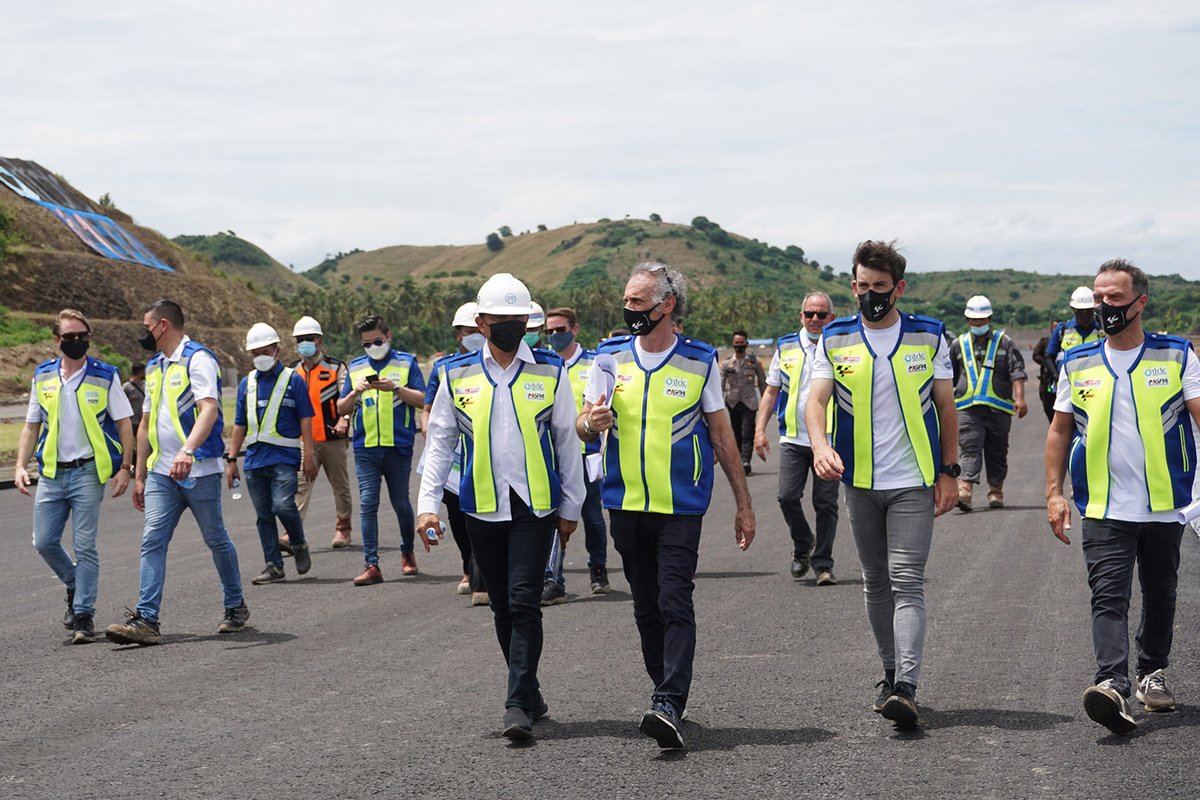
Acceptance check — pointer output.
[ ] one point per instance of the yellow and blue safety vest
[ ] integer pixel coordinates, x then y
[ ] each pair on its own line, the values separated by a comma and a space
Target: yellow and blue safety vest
980, 384
792, 356
1156, 379
382, 419
92, 396
659, 457
163, 375
578, 374
912, 365
474, 395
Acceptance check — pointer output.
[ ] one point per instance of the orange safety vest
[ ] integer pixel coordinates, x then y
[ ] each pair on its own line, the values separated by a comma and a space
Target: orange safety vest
323, 393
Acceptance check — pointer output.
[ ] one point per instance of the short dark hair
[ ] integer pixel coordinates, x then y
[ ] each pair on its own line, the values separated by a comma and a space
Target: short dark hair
168, 310
564, 311
1141, 284
373, 323
879, 255
138, 369
741, 333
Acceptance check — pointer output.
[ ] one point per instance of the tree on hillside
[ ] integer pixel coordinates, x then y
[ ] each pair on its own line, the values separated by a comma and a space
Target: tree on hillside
494, 243
106, 201
701, 223
655, 218
542, 228
505, 231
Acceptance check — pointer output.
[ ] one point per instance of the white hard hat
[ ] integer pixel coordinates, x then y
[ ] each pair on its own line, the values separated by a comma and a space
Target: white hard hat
307, 326
1082, 297
465, 316
260, 335
978, 307
537, 318
503, 294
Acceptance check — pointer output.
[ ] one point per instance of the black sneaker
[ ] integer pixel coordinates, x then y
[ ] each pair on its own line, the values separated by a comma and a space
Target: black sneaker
136, 629
885, 691
661, 723
901, 707
540, 708
799, 566
69, 615
517, 725
84, 632
553, 594
271, 574
600, 580
235, 619
303, 559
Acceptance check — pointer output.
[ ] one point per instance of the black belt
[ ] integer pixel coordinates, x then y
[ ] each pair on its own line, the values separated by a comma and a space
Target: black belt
79, 462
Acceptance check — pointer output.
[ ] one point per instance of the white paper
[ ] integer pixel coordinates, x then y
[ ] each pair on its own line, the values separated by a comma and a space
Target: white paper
1188, 513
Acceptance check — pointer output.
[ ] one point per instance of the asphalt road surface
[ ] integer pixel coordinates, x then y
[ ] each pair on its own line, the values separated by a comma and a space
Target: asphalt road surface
397, 690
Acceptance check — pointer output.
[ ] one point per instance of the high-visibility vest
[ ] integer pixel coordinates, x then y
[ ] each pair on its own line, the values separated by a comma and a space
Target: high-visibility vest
172, 377
532, 390
912, 366
1071, 337
792, 356
659, 457
323, 390
266, 430
92, 397
382, 419
1156, 379
578, 374
980, 384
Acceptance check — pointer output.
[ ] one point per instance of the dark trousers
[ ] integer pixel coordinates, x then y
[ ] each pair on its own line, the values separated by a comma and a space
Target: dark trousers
1110, 550
512, 556
742, 419
983, 439
659, 554
458, 529
795, 464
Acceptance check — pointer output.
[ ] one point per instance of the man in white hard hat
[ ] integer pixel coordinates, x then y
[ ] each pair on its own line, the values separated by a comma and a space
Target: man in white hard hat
469, 340
989, 387
533, 328
1074, 332
324, 375
273, 417
512, 409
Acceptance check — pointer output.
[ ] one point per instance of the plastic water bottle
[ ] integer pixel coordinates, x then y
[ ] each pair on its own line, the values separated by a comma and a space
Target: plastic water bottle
235, 491
187, 483
431, 535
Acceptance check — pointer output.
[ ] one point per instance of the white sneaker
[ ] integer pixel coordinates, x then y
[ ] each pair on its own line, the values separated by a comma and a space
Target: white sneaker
1153, 694
1105, 705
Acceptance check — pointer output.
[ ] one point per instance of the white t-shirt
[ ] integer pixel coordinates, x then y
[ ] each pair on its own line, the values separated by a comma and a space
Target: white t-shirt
896, 464
775, 378
202, 372
710, 400
73, 443
1128, 500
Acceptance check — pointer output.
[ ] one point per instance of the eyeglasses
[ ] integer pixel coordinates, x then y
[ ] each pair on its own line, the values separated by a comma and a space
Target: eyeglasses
82, 336
375, 343
559, 329
309, 338
817, 314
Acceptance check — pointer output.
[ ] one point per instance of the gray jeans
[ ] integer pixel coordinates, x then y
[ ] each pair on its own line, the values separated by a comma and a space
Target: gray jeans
893, 529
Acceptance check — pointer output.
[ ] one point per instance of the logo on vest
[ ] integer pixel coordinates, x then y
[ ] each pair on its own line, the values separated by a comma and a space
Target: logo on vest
91, 397
845, 359
916, 362
675, 387
176, 380
466, 389
535, 392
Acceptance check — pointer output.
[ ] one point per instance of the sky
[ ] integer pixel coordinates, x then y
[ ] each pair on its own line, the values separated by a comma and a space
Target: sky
1042, 135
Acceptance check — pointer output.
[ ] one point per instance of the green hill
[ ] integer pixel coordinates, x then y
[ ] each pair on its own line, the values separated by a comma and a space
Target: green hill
237, 258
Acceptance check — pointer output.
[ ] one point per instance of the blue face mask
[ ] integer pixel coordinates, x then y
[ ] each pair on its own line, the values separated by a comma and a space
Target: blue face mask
473, 341
980, 330
560, 341
531, 338
307, 349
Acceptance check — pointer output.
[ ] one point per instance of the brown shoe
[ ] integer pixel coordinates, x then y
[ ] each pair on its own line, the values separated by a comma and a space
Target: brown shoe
996, 498
408, 563
964, 496
341, 534
369, 576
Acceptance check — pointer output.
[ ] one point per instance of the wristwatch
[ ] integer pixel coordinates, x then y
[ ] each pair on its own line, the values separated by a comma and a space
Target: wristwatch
953, 470
188, 451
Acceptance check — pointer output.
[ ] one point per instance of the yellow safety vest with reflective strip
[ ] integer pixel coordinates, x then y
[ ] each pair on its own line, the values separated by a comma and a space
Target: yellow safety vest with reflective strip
266, 431
578, 374
92, 397
171, 377
376, 409
792, 357
1073, 338
1156, 380
980, 376
912, 366
532, 390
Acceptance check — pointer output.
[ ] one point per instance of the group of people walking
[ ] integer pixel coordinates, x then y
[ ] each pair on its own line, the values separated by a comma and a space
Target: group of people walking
522, 442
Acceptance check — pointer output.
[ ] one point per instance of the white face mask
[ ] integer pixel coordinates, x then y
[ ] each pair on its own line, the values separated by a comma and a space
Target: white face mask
264, 363
377, 352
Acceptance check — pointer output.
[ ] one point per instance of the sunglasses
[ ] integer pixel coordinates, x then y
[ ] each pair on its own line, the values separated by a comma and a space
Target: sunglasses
311, 338
817, 314
375, 343
82, 336
559, 329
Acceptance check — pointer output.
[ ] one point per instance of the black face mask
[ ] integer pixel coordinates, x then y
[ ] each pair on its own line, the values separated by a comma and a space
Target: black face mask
739, 348
74, 350
147, 340
875, 305
507, 335
639, 322
1113, 319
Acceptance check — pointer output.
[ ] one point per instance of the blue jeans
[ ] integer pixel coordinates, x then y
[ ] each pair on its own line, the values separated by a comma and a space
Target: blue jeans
76, 492
273, 492
595, 537
392, 466
165, 502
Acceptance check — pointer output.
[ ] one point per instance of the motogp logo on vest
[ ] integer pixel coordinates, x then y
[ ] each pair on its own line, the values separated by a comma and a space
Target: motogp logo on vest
535, 392
675, 387
916, 362
176, 380
1156, 377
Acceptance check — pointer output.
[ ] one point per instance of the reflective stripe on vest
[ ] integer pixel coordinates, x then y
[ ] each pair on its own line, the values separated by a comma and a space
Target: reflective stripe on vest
268, 433
474, 394
92, 398
1156, 380
792, 357
912, 366
659, 457
376, 410
980, 382
173, 379
322, 385
1073, 338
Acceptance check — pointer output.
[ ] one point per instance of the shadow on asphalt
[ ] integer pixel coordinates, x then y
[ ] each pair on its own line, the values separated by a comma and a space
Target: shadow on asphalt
1150, 723
698, 737
1004, 719
250, 637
